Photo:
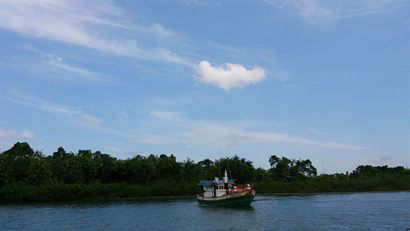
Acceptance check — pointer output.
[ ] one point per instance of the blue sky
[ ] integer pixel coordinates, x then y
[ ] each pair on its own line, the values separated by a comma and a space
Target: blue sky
324, 80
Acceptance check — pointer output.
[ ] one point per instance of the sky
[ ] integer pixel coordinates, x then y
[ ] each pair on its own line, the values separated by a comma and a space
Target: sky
321, 80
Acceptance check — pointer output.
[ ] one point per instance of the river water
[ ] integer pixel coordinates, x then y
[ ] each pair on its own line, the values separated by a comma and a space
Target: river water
358, 211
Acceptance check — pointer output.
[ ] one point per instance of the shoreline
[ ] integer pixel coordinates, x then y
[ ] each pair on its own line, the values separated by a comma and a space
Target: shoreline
319, 193
102, 200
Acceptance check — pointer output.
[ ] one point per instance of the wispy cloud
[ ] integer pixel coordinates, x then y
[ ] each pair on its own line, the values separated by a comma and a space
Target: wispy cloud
7, 133
229, 75
12, 133
193, 133
91, 120
323, 12
84, 24
165, 115
56, 65
61, 110
27, 134
172, 128
107, 28
59, 62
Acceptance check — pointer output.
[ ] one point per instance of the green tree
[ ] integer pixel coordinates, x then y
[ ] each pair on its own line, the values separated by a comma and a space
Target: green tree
87, 164
65, 167
16, 161
280, 167
287, 169
39, 171
105, 167
242, 170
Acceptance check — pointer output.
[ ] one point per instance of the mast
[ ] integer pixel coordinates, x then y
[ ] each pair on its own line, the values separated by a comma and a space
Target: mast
226, 182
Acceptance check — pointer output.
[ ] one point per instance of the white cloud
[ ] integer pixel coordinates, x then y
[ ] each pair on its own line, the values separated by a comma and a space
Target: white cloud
323, 12
84, 23
229, 75
26, 134
7, 133
107, 28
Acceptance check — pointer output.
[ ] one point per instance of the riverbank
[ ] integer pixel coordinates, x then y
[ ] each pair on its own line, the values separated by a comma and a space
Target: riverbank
328, 193
328, 185
106, 200
95, 192
20, 192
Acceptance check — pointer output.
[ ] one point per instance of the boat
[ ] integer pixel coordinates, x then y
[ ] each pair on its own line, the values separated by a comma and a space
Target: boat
225, 192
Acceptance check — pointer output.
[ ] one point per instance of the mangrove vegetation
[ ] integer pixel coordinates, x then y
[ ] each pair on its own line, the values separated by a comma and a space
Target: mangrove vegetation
27, 175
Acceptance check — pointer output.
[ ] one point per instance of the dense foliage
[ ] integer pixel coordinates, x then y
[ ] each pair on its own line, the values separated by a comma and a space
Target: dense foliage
28, 175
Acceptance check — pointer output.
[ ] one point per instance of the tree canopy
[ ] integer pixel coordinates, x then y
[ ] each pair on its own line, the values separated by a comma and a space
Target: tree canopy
286, 169
26, 174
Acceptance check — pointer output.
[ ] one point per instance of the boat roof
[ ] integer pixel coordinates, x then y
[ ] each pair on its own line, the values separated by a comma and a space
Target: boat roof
215, 182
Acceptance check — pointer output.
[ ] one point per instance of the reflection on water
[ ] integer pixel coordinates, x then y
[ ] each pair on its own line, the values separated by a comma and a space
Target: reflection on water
364, 211
227, 208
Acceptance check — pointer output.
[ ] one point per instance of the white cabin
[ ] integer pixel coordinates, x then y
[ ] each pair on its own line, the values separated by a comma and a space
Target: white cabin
217, 187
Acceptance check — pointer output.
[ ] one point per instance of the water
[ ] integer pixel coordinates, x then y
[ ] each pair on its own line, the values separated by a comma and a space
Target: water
361, 211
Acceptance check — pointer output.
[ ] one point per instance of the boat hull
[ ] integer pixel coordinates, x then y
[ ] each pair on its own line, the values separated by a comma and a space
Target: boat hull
229, 201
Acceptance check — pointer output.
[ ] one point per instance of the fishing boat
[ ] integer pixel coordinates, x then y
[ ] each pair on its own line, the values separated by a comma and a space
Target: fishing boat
224, 192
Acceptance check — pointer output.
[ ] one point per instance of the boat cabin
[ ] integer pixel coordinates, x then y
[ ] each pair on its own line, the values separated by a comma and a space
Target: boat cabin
217, 187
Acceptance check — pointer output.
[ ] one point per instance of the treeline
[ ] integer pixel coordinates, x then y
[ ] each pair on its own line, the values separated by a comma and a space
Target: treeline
28, 175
